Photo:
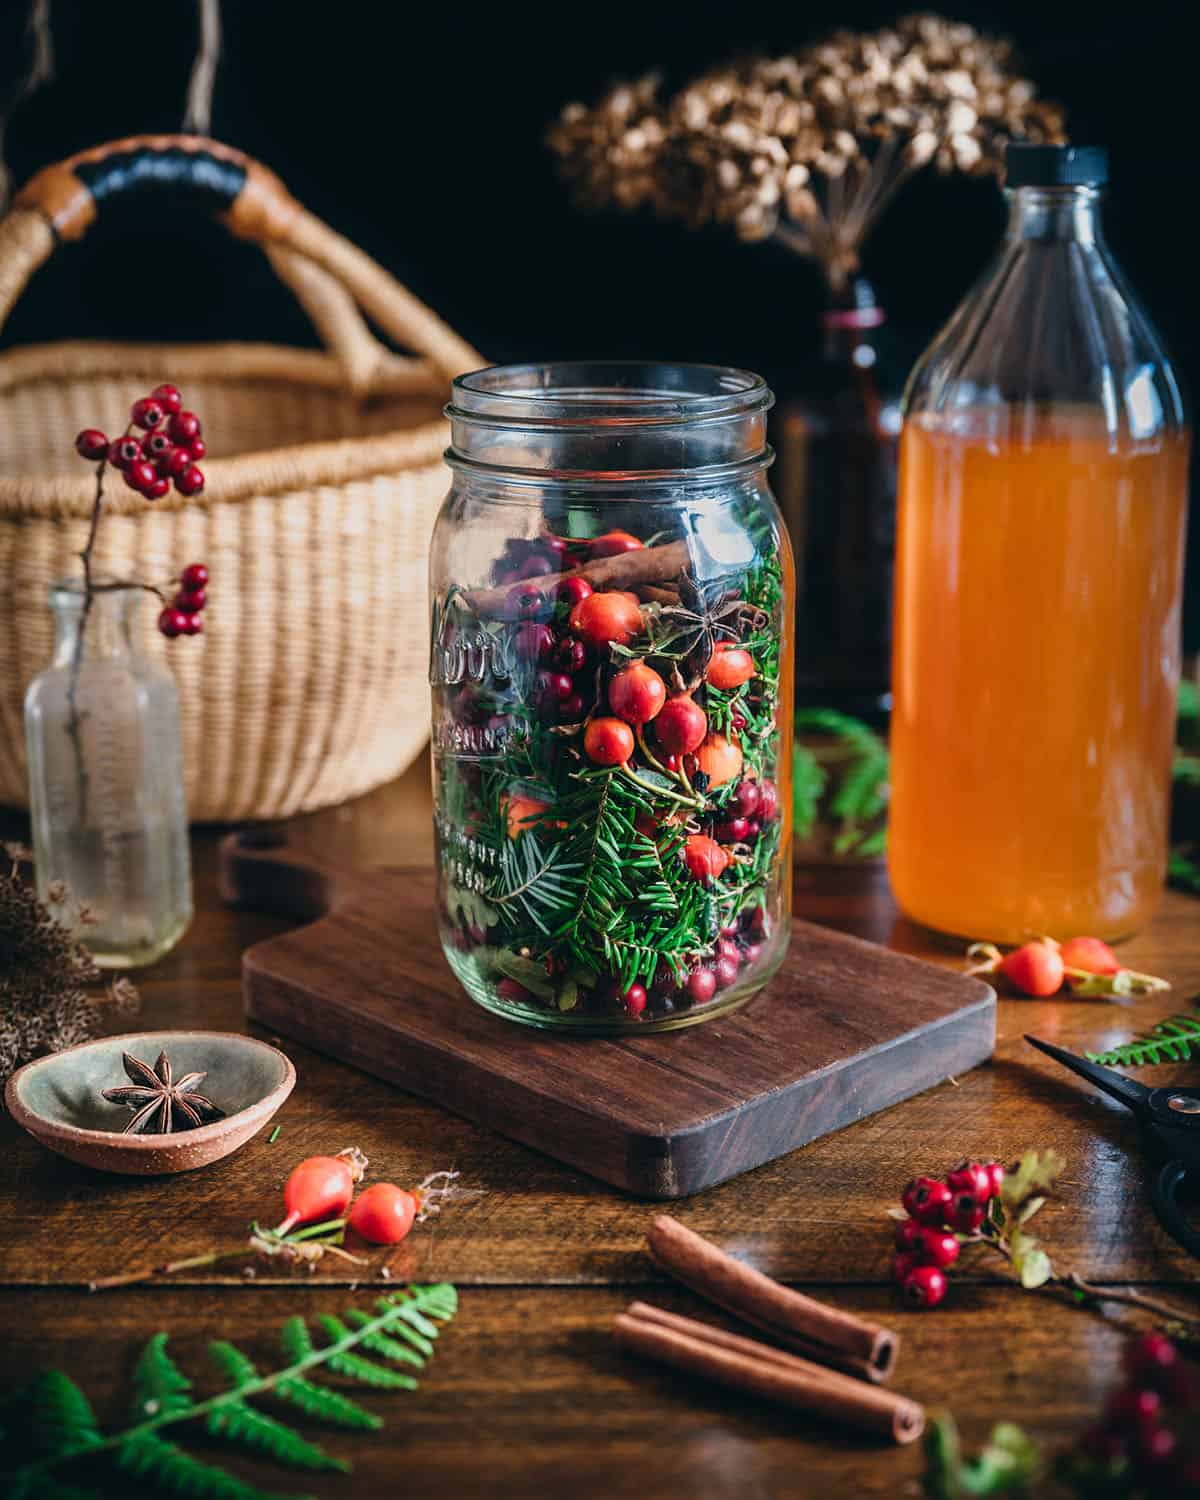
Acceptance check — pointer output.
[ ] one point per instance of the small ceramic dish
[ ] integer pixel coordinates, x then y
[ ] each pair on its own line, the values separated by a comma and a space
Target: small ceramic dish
57, 1099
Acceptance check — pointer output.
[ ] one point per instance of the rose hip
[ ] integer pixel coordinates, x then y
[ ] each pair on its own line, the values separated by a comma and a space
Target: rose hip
384, 1213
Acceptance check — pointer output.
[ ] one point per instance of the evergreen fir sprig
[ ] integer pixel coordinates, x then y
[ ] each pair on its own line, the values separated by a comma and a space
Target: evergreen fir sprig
52, 1423
1171, 1040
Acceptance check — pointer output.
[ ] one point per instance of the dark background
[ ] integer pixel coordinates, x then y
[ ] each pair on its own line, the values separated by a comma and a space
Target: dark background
417, 131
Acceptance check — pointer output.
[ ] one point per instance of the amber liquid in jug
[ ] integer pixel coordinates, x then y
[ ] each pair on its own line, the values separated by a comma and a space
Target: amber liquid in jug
1035, 678
1042, 494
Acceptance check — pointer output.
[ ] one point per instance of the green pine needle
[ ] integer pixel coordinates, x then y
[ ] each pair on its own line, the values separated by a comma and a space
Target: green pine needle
1171, 1040
57, 1425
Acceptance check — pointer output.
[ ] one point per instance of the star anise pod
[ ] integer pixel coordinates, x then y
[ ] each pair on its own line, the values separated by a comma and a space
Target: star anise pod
161, 1104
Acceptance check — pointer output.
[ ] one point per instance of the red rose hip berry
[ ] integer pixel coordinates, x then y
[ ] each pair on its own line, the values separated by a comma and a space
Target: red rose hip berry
604, 618
190, 481
613, 543
1034, 968
384, 1213
124, 451
637, 693
91, 444
904, 1263
572, 590
194, 576
172, 623
925, 1286
681, 725
927, 1199
907, 1234
140, 476
729, 667
966, 1212
609, 742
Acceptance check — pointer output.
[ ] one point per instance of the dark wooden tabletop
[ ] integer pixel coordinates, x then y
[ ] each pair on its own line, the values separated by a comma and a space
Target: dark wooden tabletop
528, 1395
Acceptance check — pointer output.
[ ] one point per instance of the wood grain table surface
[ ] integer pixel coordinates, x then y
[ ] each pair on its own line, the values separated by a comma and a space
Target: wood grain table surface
528, 1397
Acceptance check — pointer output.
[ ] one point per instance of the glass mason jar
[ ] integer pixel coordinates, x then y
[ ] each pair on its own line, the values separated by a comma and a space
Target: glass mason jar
1042, 500
106, 790
612, 676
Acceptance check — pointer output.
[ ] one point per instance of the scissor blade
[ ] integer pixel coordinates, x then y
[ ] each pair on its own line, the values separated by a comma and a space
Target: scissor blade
1130, 1093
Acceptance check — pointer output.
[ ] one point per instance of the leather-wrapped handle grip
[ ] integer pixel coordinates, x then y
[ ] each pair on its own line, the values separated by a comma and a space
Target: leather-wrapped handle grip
249, 198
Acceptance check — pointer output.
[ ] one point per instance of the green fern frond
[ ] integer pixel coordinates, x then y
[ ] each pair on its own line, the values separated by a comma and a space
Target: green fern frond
235, 1369
1171, 1040
386, 1344
57, 1423
59, 1417
147, 1456
325, 1405
243, 1423
159, 1385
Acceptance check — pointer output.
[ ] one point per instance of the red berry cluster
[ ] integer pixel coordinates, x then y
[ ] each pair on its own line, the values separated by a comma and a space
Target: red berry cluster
182, 615
1042, 966
939, 1210
1148, 1442
168, 453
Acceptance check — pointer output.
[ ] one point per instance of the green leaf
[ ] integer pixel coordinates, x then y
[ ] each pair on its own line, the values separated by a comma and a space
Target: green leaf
527, 972
1183, 870
1009, 1464
60, 1419
1029, 1209
147, 1456
1034, 1268
384, 1343
242, 1423
1034, 1171
808, 787
325, 1405
236, 1370
357, 1367
294, 1337
159, 1385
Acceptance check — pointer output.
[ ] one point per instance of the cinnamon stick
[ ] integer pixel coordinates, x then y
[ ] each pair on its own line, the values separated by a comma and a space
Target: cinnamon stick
824, 1333
746, 1365
624, 571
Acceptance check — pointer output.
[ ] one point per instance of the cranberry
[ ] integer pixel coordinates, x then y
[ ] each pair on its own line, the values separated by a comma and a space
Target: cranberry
536, 565
91, 444
745, 799
172, 623
1134, 1408
937, 1247
525, 601
183, 426
753, 829
701, 986
190, 481
996, 1176
927, 1199
198, 448
570, 654
726, 971
190, 601
751, 953
552, 688
925, 1286
637, 693
609, 742
634, 999
612, 544
571, 709
168, 398
194, 576
572, 590
1157, 1446
140, 475
1150, 1356
534, 643
970, 1177
966, 1212
124, 451
158, 489
733, 832
556, 545
681, 725
907, 1233
768, 801
727, 948
517, 994
904, 1263
146, 413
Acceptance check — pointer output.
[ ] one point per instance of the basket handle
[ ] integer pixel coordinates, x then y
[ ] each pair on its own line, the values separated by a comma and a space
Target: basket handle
334, 280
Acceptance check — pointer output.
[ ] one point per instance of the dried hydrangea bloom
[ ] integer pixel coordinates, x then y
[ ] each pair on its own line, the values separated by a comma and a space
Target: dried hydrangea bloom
810, 147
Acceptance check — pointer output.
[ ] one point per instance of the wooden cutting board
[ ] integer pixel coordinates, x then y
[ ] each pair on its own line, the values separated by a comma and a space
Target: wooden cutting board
846, 1028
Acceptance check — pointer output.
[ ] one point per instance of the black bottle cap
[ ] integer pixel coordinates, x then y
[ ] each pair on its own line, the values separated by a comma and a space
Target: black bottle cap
1055, 166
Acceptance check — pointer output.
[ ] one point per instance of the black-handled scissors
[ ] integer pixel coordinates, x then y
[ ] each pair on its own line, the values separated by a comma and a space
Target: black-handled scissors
1170, 1122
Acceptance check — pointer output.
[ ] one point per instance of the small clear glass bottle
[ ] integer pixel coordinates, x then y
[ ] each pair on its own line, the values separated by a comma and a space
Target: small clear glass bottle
1039, 561
612, 686
106, 791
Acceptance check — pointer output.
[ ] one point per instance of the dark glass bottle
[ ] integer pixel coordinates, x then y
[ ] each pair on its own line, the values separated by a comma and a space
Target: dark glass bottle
836, 437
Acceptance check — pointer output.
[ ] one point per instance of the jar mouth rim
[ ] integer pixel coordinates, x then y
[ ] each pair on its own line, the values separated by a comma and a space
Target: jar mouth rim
567, 395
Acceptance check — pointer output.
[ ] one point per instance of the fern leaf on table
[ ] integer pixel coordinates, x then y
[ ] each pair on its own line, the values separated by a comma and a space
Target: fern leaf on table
325, 1405
59, 1417
1172, 1040
159, 1385
254, 1429
386, 1344
164, 1464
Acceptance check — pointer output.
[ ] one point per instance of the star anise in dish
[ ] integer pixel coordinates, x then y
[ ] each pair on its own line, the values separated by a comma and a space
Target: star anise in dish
161, 1103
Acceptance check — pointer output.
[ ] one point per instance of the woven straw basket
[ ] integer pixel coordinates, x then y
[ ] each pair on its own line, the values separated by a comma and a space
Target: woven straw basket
324, 476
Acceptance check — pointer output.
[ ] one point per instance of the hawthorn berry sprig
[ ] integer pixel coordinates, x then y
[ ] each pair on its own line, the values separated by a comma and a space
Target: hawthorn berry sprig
167, 452
1040, 968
